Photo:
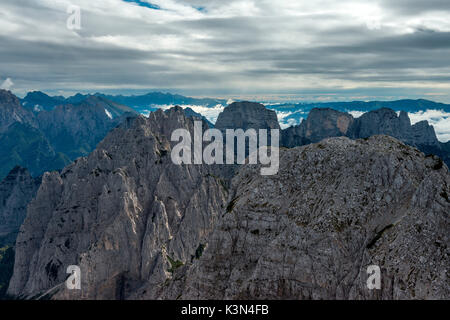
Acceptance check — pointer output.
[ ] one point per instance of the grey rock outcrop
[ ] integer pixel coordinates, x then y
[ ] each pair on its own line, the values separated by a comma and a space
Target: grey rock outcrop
245, 115
311, 231
320, 124
326, 123
423, 134
16, 191
125, 214
386, 121
381, 121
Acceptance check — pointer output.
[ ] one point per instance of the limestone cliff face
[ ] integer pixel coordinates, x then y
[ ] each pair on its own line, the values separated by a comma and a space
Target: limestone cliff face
245, 115
125, 214
333, 209
320, 124
326, 123
16, 191
386, 121
141, 227
383, 121
423, 134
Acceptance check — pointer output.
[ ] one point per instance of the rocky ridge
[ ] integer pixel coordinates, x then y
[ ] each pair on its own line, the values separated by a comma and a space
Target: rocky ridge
125, 214
334, 208
325, 123
246, 115
131, 219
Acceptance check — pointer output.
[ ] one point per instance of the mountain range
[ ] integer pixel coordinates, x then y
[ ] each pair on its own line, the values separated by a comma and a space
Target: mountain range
350, 192
141, 227
130, 217
290, 113
324, 123
38, 100
408, 105
51, 138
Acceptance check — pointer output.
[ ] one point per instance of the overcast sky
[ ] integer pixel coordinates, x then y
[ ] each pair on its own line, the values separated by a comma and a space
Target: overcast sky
326, 50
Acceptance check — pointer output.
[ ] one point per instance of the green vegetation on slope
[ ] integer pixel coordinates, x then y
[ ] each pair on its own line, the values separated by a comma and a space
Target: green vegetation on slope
174, 264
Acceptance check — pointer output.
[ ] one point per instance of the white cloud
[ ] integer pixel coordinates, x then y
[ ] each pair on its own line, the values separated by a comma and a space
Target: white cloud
283, 114
238, 46
355, 113
290, 123
438, 118
210, 113
286, 119
7, 84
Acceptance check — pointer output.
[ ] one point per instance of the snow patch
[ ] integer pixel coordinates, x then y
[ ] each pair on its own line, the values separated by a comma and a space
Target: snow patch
108, 114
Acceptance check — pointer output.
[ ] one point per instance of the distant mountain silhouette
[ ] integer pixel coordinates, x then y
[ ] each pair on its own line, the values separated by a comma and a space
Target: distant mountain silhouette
298, 111
38, 101
408, 105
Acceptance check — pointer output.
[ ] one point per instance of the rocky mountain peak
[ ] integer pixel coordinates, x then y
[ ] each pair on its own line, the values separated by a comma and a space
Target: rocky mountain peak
334, 208
386, 121
321, 123
404, 118
247, 115
7, 98
125, 214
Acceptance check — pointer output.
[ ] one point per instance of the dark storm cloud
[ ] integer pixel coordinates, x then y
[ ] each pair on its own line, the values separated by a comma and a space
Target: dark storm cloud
243, 45
94, 65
